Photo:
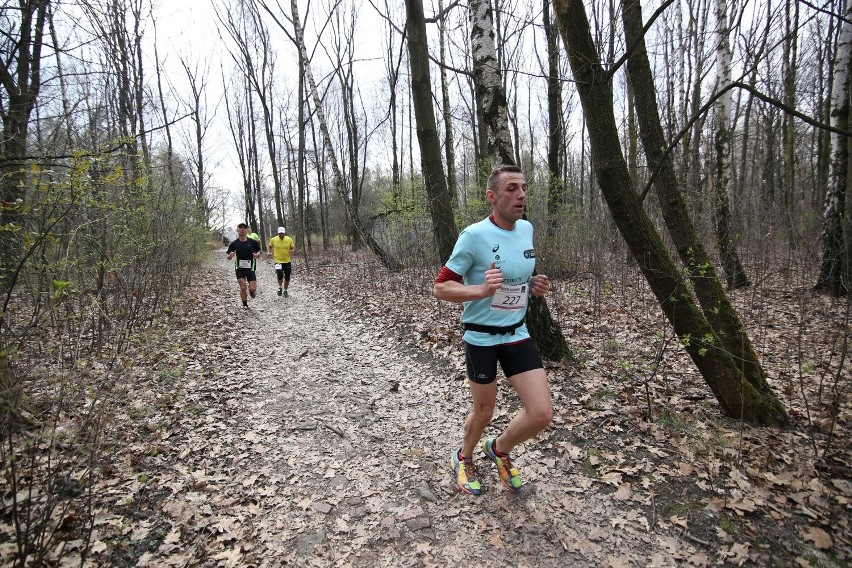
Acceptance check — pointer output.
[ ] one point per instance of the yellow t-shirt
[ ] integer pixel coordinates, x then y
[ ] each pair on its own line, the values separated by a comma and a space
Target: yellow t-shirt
281, 248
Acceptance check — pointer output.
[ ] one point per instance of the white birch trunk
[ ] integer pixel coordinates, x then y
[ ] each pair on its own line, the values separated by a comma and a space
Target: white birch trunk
734, 273
489, 86
388, 261
837, 231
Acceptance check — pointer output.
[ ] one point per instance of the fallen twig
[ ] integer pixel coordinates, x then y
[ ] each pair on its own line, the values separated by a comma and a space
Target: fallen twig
334, 429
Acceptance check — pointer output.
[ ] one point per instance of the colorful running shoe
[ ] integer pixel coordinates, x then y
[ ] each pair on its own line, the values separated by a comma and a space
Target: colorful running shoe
465, 474
509, 474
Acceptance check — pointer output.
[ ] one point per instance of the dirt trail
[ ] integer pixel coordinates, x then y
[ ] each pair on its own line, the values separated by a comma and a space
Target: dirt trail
310, 437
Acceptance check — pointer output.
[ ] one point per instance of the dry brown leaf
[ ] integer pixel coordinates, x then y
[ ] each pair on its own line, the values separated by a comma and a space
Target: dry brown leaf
819, 537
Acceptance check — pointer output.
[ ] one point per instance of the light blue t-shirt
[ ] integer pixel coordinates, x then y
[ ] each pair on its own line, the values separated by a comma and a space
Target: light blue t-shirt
512, 251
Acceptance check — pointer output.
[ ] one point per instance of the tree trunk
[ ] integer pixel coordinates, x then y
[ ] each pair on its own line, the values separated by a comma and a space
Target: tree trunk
715, 304
21, 86
833, 274
488, 85
449, 143
386, 258
731, 265
393, 85
737, 397
790, 66
555, 135
301, 157
440, 199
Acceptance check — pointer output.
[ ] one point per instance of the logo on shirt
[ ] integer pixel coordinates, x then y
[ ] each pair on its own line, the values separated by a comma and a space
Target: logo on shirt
529, 253
496, 248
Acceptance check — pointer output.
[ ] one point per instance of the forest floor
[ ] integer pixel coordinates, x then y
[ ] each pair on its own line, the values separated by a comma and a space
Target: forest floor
316, 430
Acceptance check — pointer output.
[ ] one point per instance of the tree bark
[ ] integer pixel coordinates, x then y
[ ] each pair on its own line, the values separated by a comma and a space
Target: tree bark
439, 197
834, 269
731, 265
387, 260
555, 135
488, 85
715, 304
737, 397
20, 75
790, 67
449, 142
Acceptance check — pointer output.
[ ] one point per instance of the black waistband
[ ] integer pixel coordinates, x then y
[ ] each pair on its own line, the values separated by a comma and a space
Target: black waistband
493, 329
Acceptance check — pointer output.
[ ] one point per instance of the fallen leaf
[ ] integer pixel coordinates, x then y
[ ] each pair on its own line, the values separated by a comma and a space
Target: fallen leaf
819, 537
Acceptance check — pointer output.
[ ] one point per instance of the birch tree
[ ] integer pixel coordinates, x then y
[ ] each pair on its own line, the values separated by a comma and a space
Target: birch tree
386, 258
731, 265
834, 273
490, 95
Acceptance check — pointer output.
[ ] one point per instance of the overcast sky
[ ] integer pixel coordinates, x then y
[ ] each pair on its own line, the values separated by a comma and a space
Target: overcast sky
188, 30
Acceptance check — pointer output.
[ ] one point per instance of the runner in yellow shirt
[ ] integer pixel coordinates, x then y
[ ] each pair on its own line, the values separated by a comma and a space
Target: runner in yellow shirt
281, 247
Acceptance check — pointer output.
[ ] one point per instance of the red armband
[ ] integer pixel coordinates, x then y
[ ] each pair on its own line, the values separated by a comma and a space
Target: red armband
447, 274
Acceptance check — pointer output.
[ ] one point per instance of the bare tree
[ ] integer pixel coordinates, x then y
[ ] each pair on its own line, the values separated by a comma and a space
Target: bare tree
490, 95
544, 331
201, 116
387, 260
20, 74
555, 133
789, 72
238, 106
834, 274
722, 181
439, 198
718, 367
715, 304
446, 107
255, 56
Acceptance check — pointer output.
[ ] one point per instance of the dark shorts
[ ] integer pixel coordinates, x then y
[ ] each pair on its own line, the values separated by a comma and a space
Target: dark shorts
514, 358
285, 271
246, 273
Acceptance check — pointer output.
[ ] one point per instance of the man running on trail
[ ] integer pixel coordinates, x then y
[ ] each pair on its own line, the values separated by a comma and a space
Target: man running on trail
281, 249
246, 250
491, 271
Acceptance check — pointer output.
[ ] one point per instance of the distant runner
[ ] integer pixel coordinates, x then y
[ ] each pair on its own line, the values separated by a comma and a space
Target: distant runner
491, 271
246, 250
281, 248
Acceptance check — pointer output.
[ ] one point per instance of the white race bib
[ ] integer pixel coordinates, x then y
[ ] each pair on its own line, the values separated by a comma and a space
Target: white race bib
510, 298
244, 264
277, 266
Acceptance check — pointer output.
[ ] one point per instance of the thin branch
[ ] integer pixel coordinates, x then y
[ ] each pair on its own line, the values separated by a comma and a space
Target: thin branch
639, 40
756, 93
108, 150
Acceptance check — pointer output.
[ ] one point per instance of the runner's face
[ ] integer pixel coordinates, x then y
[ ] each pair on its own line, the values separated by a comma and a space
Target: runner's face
242, 231
507, 202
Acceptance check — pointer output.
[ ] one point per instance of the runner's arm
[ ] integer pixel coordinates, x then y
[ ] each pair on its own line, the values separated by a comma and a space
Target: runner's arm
450, 288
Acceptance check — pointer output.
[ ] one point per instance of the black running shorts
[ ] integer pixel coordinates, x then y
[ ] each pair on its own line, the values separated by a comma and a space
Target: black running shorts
514, 358
285, 271
247, 274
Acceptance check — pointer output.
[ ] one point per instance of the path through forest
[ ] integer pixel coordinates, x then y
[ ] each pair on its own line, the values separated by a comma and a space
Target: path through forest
304, 432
